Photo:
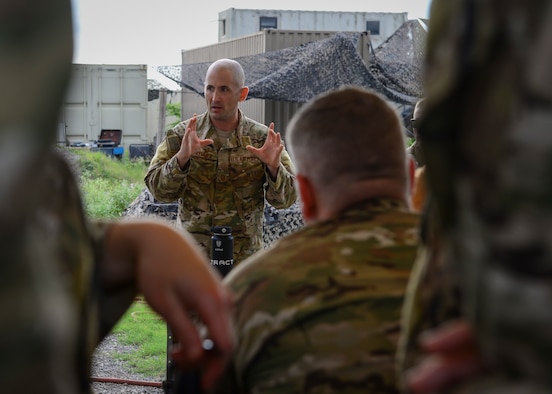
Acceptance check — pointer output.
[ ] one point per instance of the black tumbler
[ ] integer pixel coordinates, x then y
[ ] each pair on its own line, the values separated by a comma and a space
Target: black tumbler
222, 258
222, 249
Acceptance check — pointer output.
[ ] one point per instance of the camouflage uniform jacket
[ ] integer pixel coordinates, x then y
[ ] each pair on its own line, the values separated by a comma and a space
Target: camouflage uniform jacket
318, 311
488, 148
224, 188
50, 290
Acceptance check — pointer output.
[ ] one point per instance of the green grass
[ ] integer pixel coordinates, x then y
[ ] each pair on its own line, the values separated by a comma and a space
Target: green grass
147, 333
108, 186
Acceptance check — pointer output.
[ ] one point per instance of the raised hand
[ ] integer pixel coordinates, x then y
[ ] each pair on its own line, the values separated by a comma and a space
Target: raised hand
270, 152
190, 143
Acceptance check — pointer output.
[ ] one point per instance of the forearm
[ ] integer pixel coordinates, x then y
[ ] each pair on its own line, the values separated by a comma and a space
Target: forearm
132, 249
166, 181
281, 192
152, 258
169, 269
116, 276
273, 172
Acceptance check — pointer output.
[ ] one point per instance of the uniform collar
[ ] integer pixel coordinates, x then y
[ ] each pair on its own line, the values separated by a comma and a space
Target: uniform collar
236, 139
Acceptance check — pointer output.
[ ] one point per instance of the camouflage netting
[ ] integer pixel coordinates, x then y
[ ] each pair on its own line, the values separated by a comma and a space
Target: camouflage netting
277, 223
298, 73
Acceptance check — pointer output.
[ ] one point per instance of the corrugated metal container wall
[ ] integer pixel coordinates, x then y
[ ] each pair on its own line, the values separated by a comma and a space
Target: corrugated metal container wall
264, 111
243, 46
280, 39
280, 113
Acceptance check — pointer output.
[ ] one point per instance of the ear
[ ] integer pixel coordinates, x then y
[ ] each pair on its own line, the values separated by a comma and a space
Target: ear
243, 93
309, 205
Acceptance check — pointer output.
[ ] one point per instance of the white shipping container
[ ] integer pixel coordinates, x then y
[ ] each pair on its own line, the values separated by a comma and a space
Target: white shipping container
105, 97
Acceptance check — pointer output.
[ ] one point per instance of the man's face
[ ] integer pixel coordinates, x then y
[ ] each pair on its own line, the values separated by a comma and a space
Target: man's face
222, 94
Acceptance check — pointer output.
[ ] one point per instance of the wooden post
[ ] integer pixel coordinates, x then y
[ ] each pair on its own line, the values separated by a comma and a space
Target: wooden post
162, 116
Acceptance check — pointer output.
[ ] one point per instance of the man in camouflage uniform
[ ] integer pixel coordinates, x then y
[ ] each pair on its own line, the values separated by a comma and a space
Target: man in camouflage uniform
64, 281
488, 149
221, 166
318, 311
415, 150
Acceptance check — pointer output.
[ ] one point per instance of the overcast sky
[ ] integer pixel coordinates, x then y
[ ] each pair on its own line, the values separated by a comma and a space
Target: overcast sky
154, 32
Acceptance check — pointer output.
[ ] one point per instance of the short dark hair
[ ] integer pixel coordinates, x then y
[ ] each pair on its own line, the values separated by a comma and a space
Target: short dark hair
348, 131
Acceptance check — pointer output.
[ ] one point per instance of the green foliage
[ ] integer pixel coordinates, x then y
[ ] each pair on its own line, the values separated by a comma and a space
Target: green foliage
109, 185
107, 198
173, 110
146, 332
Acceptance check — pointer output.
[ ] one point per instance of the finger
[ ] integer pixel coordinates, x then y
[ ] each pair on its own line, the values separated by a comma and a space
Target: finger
185, 331
436, 373
218, 329
216, 318
271, 133
213, 367
182, 360
190, 132
448, 337
426, 377
210, 367
252, 149
213, 308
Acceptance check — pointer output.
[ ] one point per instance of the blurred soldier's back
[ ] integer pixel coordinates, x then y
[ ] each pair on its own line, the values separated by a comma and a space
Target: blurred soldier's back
487, 137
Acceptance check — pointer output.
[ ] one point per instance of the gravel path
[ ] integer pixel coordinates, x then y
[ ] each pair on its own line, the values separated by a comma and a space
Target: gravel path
104, 366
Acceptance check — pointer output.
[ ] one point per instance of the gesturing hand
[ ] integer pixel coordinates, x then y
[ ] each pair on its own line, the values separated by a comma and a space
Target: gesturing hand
270, 152
452, 355
190, 143
169, 269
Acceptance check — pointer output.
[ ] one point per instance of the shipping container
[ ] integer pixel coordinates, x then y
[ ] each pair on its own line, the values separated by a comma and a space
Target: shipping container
105, 97
235, 23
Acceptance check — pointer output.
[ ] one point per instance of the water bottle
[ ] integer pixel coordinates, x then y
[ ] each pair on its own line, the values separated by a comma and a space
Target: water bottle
222, 249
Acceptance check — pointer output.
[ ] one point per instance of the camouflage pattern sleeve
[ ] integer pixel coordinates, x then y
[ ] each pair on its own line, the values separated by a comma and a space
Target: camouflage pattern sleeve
432, 296
37, 329
486, 137
282, 193
164, 178
54, 281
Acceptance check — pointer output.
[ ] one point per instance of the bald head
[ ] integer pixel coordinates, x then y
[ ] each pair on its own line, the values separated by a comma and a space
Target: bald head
232, 65
349, 138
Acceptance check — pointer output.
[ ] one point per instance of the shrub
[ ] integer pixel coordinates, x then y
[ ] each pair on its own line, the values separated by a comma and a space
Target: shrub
108, 185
